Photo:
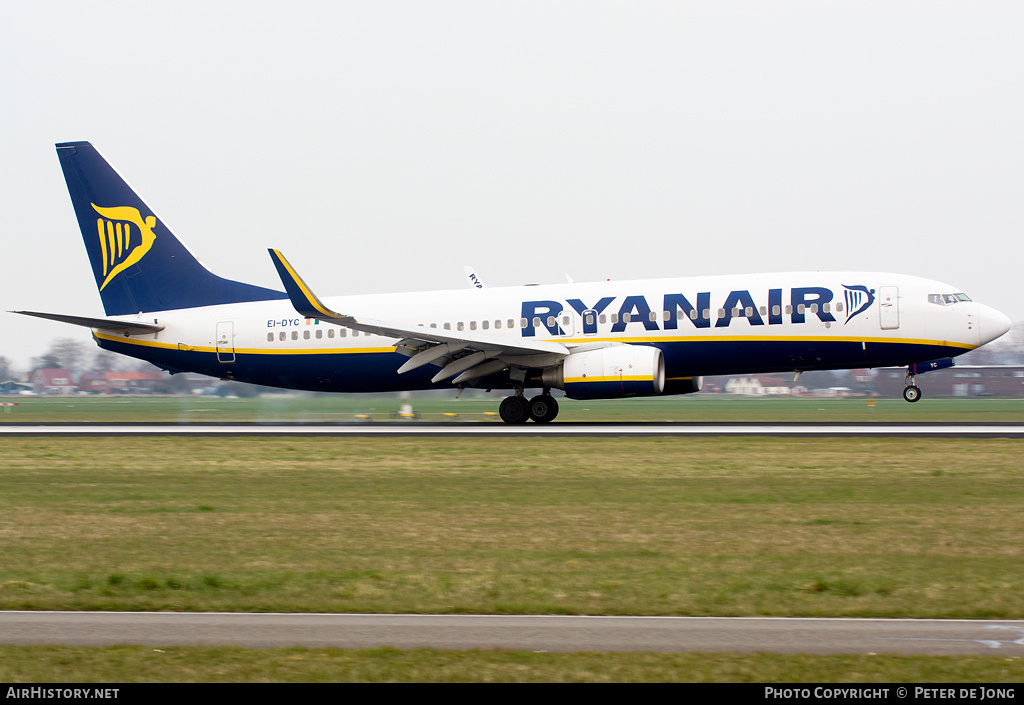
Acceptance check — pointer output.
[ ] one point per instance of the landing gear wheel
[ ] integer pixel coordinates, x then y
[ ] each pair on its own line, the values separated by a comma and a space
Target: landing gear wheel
912, 394
543, 408
514, 410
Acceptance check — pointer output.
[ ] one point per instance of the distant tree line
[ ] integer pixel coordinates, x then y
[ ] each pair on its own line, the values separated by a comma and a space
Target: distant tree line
76, 356
79, 357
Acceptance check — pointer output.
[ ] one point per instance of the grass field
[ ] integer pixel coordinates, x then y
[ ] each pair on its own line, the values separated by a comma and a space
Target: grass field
444, 407
809, 527
136, 664
813, 527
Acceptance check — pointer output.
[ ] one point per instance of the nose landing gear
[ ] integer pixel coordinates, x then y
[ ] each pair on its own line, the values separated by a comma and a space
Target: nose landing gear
911, 392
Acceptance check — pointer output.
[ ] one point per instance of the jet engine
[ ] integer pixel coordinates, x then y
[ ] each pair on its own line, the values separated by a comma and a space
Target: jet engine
609, 373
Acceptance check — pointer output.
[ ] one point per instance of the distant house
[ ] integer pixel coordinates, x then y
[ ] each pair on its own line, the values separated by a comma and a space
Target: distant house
777, 386
11, 386
834, 392
52, 381
758, 386
109, 382
747, 386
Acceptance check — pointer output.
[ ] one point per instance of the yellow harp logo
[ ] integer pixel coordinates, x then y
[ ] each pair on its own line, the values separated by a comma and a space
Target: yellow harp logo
120, 244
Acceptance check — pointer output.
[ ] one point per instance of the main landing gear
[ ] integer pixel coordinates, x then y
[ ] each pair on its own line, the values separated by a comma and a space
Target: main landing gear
516, 409
911, 392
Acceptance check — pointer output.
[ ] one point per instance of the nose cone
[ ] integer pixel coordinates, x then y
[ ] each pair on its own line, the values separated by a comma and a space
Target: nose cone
992, 323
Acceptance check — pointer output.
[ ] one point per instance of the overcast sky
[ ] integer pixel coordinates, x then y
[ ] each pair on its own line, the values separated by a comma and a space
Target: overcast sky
382, 145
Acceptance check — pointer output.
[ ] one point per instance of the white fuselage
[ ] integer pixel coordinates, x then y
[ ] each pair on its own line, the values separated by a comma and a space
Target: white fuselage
704, 325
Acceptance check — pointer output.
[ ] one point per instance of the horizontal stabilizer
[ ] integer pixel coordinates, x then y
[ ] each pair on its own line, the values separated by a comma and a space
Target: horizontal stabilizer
117, 324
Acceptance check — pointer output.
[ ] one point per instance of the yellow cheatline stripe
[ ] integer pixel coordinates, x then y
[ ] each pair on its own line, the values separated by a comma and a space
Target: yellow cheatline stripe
616, 378
333, 351
263, 350
310, 298
246, 351
142, 343
312, 351
764, 339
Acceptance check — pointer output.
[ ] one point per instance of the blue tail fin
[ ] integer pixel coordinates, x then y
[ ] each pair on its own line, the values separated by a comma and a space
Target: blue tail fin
139, 265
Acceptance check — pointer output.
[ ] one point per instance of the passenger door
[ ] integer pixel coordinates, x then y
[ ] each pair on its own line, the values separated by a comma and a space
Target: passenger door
889, 307
225, 341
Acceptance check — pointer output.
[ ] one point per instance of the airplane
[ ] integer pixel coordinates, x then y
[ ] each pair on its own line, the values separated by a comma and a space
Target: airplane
599, 340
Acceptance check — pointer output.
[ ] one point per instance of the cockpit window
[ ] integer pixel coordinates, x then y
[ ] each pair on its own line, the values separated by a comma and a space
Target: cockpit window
947, 299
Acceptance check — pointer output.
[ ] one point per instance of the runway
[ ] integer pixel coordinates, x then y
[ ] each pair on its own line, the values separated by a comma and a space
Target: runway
456, 429
535, 633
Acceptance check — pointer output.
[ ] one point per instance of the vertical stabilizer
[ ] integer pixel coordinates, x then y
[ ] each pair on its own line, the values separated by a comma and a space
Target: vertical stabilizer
138, 263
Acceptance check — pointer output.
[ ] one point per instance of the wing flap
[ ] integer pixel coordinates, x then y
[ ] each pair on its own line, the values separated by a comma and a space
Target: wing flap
425, 357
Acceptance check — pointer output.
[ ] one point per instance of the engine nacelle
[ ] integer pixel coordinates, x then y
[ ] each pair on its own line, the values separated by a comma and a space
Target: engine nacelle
610, 373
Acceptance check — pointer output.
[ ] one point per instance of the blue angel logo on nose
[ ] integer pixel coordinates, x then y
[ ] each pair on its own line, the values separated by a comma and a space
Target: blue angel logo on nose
858, 300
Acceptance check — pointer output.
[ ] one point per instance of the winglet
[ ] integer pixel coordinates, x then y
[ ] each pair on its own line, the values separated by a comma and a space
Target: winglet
302, 297
474, 279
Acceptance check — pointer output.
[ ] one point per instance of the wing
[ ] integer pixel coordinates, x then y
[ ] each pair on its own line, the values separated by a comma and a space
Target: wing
468, 355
